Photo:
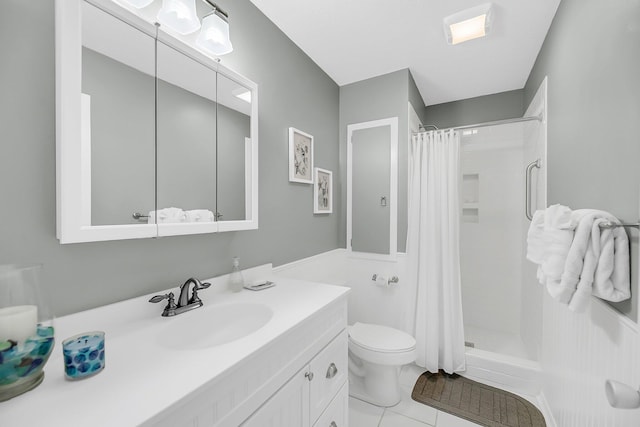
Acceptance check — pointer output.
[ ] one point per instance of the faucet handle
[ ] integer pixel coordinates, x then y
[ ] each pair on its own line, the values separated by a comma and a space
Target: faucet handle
170, 309
197, 287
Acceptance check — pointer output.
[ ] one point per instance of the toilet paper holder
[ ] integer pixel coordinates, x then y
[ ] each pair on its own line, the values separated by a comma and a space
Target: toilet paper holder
392, 281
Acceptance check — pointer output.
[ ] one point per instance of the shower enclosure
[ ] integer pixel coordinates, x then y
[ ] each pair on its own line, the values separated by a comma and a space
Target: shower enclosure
501, 181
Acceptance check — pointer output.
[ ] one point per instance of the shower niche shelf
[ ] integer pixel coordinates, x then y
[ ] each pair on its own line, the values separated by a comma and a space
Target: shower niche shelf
470, 197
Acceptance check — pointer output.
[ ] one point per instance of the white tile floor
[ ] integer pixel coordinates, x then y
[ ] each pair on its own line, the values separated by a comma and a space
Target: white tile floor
407, 413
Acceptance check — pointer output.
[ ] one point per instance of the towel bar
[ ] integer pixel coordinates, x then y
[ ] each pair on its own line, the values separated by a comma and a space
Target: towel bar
612, 225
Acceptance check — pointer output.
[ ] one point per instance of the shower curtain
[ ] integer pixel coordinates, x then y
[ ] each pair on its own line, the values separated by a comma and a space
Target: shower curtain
433, 250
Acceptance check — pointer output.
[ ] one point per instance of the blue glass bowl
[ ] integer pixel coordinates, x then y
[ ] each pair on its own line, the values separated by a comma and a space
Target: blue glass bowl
21, 365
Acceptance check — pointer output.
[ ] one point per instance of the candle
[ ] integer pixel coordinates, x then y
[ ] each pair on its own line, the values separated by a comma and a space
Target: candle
18, 323
83, 354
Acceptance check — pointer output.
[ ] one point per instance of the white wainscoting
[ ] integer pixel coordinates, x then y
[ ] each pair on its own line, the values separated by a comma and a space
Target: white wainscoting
579, 352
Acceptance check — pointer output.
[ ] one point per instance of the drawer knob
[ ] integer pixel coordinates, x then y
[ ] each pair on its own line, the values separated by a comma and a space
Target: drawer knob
309, 375
332, 371
333, 424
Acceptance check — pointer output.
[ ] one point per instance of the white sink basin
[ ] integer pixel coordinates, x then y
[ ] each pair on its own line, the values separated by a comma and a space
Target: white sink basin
211, 326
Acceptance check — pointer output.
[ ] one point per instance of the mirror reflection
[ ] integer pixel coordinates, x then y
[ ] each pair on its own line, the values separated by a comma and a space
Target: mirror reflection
118, 103
186, 132
234, 149
370, 190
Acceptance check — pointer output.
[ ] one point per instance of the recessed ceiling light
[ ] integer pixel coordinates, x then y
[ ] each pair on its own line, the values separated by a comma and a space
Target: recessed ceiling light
468, 24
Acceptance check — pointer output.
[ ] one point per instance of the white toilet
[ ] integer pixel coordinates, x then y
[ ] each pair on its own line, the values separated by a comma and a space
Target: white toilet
376, 354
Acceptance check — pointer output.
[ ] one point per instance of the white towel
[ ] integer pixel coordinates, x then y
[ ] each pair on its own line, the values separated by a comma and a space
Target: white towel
582, 255
199, 215
558, 234
167, 215
597, 263
535, 238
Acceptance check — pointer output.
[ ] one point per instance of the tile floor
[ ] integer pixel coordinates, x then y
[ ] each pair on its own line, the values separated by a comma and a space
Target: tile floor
407, 413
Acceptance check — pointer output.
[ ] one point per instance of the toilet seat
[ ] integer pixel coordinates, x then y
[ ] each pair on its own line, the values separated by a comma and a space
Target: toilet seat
380, 338
381, 345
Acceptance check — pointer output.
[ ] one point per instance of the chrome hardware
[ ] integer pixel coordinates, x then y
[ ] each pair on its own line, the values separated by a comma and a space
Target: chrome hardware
393, 280
170, 309
527, 190
184, 302
614, 225
333, 424
332, 371
383, 201
309, 376
139, 216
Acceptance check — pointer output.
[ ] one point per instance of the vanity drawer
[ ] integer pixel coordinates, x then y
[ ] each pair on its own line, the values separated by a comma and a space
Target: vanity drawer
337, 413
329, 370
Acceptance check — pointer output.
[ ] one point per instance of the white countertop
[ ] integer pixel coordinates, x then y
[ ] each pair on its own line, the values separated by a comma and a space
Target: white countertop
142, 376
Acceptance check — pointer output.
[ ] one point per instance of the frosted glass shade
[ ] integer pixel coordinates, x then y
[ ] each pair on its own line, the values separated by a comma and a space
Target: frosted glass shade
214, 35
179, 15
139, 4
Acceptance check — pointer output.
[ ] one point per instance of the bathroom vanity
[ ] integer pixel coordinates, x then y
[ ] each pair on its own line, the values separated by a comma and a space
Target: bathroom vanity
276, 357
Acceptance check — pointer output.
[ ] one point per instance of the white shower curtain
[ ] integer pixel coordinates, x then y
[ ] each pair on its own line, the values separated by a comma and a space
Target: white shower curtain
433, 250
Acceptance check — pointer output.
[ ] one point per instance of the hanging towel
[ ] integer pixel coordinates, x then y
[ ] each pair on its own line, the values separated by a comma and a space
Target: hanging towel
167, 215
199, 215
583, 254
535, 238
558, 234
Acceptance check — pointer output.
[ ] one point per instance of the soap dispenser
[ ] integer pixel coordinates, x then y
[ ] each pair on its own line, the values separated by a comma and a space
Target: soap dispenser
236, 281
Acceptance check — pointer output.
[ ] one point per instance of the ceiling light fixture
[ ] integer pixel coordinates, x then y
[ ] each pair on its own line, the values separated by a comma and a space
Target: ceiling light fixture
214, 34
468, 24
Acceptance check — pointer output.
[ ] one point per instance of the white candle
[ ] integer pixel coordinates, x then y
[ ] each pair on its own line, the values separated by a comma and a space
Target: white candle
18, 323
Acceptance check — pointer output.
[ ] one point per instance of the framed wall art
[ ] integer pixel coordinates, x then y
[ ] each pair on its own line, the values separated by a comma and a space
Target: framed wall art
322, 191
300, 156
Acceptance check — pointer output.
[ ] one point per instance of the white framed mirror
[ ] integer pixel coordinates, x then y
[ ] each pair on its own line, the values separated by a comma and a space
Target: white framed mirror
139, 118
372, 188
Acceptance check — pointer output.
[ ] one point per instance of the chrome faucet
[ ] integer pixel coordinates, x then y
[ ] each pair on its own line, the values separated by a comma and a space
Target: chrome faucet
184, 302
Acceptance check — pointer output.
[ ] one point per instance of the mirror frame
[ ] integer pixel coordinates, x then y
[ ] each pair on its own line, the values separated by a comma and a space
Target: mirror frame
72, 177
392, 122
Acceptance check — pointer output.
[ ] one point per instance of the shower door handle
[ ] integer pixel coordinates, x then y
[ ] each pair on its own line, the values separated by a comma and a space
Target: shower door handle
527, 190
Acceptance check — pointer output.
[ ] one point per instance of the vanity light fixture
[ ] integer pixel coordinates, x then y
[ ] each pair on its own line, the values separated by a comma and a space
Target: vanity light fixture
214, 34
468, 24
179, 15
138, 4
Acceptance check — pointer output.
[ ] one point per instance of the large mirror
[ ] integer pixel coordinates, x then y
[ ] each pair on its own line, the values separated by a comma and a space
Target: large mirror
372, 187
154, 138
118, 102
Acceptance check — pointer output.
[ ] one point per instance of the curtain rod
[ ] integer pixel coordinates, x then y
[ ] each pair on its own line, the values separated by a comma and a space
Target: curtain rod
493, 123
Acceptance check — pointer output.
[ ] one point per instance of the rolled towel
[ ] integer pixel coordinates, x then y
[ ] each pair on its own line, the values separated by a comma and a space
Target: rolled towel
535, 238
199, 215
167, 215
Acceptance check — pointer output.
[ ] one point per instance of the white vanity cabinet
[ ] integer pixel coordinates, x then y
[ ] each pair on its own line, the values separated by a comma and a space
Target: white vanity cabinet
317, 395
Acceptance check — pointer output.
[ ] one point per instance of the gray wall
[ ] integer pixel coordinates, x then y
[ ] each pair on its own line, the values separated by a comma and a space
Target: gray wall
591, 58
373, 99
81, 276
504, 105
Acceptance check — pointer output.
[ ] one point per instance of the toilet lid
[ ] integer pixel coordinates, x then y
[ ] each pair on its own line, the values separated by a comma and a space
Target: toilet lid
380, 338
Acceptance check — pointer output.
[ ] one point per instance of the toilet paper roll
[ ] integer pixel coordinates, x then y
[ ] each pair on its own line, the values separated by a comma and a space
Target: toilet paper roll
382, 281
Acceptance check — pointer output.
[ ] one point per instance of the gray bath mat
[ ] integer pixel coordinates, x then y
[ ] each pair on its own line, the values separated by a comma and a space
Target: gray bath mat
482, 404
